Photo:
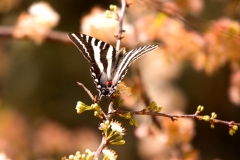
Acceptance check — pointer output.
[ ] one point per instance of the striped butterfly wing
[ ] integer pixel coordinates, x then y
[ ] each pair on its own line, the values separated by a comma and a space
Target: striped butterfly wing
125, 60
108, 67
99, 54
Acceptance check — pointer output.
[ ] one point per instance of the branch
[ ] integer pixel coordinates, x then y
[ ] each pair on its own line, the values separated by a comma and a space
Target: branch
174, 117
121, 17
100, 148
110, 107
111, 112
58, 36
94, 99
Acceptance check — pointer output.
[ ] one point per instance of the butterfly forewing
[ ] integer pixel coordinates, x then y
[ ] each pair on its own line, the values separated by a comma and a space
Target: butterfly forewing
83, 43
98, 53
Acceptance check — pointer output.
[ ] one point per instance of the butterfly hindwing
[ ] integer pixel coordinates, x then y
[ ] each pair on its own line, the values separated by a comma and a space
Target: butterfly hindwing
128, 59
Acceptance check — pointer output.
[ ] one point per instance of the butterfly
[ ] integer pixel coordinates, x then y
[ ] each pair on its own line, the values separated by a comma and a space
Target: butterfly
108, 66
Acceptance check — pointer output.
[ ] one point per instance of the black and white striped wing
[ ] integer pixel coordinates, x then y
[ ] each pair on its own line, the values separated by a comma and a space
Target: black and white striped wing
98, 53
127, 59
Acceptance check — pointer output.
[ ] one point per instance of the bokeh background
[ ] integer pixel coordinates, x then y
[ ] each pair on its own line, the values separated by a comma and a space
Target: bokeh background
38, 89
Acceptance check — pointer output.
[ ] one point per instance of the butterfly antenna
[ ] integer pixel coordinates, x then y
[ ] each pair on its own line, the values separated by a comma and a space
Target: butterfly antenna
132, 45
123, 49
102, 100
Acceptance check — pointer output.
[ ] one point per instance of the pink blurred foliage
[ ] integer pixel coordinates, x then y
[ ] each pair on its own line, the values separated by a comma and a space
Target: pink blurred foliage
14, 135
37, 22
172, 141
192, 6
98, 25
217, 46
20, 140
175, 8
222, 39
52, 138
155, 83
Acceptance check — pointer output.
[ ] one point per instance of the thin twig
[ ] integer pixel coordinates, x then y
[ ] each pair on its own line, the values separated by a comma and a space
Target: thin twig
121, 17
100, 148
174, 117
110, 107
88, 92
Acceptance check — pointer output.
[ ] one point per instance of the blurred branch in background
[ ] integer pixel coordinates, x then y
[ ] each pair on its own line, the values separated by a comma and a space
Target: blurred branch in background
58, 36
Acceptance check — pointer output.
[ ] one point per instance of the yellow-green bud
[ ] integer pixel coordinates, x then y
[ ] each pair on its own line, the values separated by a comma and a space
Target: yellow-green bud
113, 7
71, 157
121, 142
200, 108
78, 156
81, 107
235, 127
83, 156
87, 151
133, 122
159, 108
154, 107
231, 132
214, 115
126, 115
107, 122
212, 126
118, 137
95, 106
152, 104
89, 154
109, 14
96, 114
120, 103
206, 118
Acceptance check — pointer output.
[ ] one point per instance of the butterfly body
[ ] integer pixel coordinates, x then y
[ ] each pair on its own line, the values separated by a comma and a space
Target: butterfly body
108, 67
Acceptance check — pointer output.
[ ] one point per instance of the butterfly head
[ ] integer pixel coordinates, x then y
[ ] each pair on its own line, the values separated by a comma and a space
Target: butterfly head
107, 90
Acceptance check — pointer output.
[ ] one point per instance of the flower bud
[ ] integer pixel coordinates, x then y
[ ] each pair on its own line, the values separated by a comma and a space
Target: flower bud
206, 118
235, 127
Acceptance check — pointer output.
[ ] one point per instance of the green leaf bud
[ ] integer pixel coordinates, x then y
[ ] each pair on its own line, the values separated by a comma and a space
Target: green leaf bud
126, 115
212, 126
206, 118
214, 115
120, 103
120, 142
133, 122
231, 132
113, 7
235, 127
200, 108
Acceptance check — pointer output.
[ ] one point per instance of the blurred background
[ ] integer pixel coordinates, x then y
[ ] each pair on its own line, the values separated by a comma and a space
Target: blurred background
197, 64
